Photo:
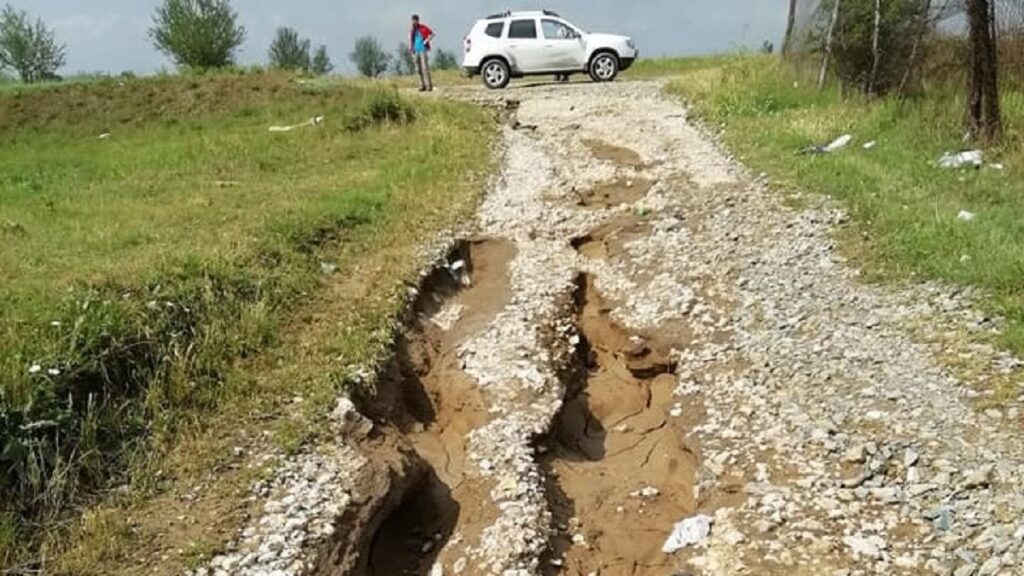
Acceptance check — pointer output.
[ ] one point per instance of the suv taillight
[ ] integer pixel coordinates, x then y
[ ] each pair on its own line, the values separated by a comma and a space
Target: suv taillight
469, 44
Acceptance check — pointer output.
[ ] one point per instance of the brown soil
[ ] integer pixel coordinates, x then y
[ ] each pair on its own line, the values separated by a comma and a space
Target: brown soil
609, 240
434, 404
614, 438
622, 157
617, 192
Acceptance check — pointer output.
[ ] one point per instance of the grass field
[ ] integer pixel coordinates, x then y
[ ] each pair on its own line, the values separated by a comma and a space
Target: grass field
150, 279
904, 209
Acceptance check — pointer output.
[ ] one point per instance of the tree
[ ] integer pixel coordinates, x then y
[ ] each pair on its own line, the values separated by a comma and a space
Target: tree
290, 52
983, 114
197, 33
923, 24
322, 64
787, 42
876, 50
445, 60
829, 38
28, 48
370, 59
402, 63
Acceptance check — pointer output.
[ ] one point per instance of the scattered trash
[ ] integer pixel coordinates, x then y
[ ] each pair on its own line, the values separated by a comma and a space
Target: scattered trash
315, 121
960, 159
837, 144
689, 532
996, 166
870, 145
645, 492
53, 372
35, 369
328, 268
966, 216
104, 136
460, 272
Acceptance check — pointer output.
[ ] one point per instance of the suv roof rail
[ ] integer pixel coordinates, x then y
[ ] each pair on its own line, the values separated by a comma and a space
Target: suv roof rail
509, 13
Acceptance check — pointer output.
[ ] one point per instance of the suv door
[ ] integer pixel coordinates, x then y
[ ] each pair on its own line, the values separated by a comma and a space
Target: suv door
525, 45
563, 45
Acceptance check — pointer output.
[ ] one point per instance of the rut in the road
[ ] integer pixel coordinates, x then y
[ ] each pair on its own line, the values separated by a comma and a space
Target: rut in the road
620, 470
427, 396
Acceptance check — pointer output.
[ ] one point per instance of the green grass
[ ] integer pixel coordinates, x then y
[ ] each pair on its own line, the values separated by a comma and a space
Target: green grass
144, 268
899, 200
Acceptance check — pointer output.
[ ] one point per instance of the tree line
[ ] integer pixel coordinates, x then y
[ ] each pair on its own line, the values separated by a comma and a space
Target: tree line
879, 48
200, 34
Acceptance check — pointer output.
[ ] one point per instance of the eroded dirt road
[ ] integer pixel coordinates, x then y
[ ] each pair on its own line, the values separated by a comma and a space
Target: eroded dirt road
637, 332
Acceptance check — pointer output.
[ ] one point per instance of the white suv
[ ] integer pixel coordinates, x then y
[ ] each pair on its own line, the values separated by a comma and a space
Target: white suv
516, 44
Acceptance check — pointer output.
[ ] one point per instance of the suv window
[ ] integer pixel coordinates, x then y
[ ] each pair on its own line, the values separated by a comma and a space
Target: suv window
555, 30
495, 30
522, 29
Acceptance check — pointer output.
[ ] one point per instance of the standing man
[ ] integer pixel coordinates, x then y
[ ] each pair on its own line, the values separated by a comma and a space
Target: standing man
420, 38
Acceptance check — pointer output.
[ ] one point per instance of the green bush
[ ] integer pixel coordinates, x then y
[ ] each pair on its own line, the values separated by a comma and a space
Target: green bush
381, 106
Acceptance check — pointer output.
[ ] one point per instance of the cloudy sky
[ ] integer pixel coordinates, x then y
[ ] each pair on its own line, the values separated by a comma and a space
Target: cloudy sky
110, 35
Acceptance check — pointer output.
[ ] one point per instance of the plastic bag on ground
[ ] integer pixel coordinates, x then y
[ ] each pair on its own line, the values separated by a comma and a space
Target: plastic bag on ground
689, 532
838, 143
960, 159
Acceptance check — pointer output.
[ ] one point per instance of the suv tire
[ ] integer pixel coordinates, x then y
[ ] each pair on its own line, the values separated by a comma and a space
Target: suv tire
604, 67
495, 73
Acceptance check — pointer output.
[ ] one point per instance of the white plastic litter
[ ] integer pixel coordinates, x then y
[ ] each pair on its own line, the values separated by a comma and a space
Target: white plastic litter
315, 121
689, 532
841, 142
870, 145
960, 159
460, 272
966, 216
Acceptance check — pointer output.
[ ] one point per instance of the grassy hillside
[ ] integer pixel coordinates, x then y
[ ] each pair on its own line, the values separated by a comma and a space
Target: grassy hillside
141, 268
904, 208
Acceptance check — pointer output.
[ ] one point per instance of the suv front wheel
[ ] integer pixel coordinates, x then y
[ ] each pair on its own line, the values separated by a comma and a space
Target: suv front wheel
604, 67
495, 73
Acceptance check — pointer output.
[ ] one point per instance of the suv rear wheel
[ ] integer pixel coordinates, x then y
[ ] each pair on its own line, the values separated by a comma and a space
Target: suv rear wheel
495, 73
604, 67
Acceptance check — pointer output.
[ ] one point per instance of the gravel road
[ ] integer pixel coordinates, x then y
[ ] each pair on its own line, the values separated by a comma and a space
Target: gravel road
678, 340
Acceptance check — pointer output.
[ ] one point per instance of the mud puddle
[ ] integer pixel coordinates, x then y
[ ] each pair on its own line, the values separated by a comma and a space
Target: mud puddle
616, 192
609, 240
621, 157
621, 473
434, 405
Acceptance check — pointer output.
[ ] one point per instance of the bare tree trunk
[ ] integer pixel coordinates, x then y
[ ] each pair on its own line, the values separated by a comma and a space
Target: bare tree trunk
829, 38
787, 42
876, 53
912, 62
983, 114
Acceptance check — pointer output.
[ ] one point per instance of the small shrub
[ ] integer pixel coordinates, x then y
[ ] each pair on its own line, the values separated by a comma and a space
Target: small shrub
384, 106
